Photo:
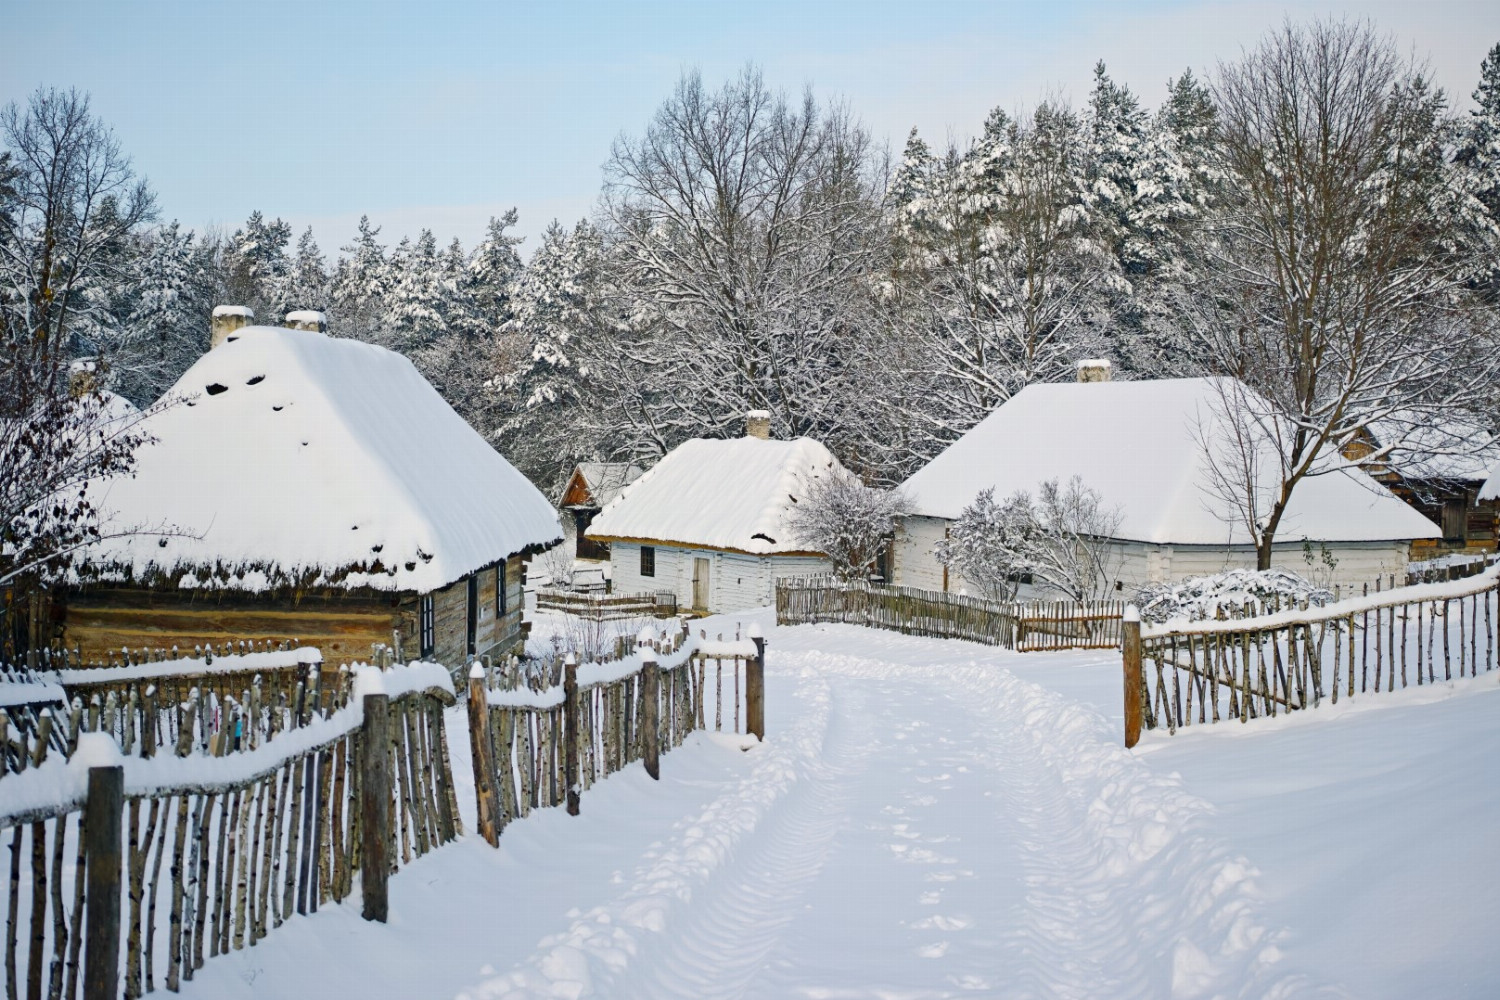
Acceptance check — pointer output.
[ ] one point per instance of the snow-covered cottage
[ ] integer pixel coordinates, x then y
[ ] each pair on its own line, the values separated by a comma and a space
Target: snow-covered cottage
591, 487
1140, 446
1439, 470
710, 521
302, 486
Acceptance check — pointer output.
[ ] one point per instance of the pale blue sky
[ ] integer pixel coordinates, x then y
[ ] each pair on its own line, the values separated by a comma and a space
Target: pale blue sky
442, 114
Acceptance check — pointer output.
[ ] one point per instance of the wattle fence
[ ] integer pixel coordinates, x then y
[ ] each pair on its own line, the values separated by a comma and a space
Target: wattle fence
218, 703
1183, 673
606, 607
253, 837
1022, 626
539, 749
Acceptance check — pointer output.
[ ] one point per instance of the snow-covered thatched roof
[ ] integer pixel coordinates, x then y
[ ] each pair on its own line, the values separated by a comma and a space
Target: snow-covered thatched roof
735, 494
1491, 488
299, 458
1458, 449
605, 480
1140, 445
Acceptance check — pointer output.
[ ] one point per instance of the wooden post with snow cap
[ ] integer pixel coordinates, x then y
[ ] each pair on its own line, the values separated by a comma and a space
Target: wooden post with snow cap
1130, 647
375, 805
650, 711
483, 755
102, 820
572, 741
755, 685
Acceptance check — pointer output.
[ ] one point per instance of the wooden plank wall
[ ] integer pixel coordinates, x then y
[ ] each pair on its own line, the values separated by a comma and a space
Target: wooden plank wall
342, 626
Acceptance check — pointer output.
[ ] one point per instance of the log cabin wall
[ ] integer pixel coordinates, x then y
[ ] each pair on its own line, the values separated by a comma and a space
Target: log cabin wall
494, 634
343, 625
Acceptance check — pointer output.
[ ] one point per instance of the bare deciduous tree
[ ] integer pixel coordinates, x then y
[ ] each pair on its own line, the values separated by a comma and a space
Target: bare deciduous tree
1332, 275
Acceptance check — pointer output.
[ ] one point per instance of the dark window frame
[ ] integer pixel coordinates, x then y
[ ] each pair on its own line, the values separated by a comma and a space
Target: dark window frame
648, 560
426, 626
500, 590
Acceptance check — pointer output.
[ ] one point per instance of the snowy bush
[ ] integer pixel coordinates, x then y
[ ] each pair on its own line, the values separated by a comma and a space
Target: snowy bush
1238, 593
847, 521
1058, 541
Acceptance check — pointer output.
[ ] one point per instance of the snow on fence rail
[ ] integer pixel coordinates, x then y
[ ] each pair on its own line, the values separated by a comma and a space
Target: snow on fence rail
601, 607
537, 749
253, 838
218, 703
1022, 626
1256, 667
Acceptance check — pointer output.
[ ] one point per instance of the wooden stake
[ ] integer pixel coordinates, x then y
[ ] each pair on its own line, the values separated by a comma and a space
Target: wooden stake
375, 805
101, 834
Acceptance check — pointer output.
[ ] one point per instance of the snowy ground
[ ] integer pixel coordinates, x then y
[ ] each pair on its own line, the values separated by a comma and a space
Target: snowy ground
933, 818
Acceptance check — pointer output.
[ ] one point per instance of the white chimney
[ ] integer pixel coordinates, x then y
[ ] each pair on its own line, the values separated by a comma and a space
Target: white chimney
758, 424
227, 321
307, 319
1094, 370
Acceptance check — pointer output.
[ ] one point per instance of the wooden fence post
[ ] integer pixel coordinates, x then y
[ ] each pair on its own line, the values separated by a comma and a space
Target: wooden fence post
1130, 644
101, 844
650, 714
375, 805
483, 756
755, 686
573, 742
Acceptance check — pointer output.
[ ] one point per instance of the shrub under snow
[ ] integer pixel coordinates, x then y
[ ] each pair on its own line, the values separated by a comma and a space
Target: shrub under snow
1232, 592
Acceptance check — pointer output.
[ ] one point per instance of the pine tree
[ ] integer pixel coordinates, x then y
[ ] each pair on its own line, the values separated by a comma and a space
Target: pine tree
258, 266
359, 286
307, 279
1479, 157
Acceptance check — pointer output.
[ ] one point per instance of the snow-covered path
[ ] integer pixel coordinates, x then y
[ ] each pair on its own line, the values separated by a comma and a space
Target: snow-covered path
924, 821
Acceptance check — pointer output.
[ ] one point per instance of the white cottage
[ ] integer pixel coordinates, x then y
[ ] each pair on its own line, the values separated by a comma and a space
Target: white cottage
1140, 445
710, 521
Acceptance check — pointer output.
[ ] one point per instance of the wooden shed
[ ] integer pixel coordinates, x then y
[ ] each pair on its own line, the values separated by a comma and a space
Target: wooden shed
302, 486
592, 487
710, 522
1142, 447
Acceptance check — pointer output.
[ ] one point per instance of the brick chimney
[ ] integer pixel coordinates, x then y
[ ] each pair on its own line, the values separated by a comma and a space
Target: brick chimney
227, 322
1094, 370
307, 319
758, 424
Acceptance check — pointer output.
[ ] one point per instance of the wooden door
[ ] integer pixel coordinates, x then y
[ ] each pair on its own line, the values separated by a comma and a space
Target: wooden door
700, 584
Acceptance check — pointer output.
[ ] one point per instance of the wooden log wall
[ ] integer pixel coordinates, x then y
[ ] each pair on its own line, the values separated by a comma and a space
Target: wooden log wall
1212, 674
1024, 627
214, 867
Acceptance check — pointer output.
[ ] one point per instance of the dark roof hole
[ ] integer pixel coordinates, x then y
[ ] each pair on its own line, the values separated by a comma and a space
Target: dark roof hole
216, 388
257, 380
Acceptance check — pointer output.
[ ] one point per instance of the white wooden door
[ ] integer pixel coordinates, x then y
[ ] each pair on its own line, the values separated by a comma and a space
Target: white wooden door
700, 583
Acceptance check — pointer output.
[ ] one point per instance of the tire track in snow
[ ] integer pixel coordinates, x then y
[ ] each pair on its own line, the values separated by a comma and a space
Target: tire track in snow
721, 946
600, 950
1128, 894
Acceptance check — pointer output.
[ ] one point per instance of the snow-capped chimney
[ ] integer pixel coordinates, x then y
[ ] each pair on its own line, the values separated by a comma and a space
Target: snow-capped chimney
1094, 370
307, 319
228, 320
758, 424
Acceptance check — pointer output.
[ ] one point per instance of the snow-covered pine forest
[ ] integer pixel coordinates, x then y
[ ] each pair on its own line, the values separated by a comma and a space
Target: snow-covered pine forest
754, 248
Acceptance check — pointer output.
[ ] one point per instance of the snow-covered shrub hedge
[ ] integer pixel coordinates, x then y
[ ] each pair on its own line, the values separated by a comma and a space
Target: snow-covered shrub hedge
1233, 593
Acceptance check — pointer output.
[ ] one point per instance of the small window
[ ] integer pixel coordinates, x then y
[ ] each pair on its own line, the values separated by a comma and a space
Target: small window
425, 625
648, 560
500, 591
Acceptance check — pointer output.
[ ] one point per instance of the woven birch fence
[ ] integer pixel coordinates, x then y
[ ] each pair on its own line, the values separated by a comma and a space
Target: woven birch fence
1026, 627
604, 607
1203, 672
127, 873
540, 749
220, 703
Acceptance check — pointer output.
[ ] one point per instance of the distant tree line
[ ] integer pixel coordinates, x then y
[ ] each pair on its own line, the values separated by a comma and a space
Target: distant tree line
1313, 218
